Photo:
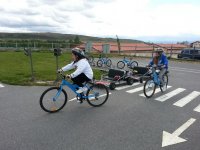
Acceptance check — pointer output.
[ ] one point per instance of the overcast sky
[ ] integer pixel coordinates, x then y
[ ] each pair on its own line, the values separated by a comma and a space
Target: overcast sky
149, 20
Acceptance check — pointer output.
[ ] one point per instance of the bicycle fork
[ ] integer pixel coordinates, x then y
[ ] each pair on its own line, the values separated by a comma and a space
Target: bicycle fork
57, 94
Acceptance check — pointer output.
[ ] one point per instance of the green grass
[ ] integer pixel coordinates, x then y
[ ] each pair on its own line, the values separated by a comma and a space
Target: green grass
15, 67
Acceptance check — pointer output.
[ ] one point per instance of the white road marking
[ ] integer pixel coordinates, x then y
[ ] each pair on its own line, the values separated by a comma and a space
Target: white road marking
173, 138
185, 69
157, 91
127, 86
169, 95
135, 90
1, 85
182, 102
73, 99
197, 109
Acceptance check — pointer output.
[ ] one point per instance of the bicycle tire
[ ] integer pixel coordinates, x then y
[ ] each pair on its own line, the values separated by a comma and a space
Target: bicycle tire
165, 79
90, 59
133, 64
129, 80
108, 63
149, 85
112, 86
120, 64
99, 63
101, 91
53, 107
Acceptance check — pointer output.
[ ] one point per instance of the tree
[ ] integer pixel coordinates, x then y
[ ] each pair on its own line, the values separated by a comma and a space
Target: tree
77, 40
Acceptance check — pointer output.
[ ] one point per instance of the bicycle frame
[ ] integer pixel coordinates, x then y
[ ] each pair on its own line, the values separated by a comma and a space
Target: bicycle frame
104, 60
126, 60
155, 76
74, 88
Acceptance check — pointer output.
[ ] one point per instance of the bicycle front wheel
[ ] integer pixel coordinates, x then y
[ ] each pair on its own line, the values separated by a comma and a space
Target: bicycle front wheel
149, 88
108, 63
53, 100
133, 64
97, 95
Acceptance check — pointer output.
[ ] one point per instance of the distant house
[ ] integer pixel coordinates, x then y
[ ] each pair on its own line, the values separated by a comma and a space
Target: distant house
195, 44
129, 48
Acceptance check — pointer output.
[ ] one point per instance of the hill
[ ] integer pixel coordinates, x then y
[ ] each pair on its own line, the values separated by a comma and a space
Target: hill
57, 36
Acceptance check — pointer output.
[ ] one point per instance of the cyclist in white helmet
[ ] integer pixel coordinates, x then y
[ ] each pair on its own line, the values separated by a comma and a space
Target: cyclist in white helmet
83, 72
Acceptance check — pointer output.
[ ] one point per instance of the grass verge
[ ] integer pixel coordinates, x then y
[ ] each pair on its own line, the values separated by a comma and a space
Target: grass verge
15, 67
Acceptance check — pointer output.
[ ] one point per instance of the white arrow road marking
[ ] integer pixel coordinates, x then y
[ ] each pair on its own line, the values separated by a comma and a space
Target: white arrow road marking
156, 91
1, 85
127, 86
173, 138
135, 90
182, 102
169, 95
73, 99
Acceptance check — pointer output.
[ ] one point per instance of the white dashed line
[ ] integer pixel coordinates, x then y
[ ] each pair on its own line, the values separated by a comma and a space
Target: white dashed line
169, 95
127, 86
182, 102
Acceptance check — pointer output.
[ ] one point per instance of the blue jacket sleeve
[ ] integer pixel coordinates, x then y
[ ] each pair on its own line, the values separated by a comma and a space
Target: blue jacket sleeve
151, 62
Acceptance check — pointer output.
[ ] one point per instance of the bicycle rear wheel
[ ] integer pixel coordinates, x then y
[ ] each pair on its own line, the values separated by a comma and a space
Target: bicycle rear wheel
99, 63
120, 64
97, 95
90, 59
149, 88
165, 79
51, 102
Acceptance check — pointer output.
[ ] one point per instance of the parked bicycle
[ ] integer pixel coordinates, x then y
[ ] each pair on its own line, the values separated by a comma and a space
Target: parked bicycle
104, 61
55, 98
90, 58
129, 62
153, 82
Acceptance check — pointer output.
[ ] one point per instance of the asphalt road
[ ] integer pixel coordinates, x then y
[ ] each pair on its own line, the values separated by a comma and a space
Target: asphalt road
127, 121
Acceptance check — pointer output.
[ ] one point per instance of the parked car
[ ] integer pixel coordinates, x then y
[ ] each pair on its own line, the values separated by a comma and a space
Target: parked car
189, 54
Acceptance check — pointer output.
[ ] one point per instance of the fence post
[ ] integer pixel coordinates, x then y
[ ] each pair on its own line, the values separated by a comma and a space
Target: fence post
152, 51
28, 52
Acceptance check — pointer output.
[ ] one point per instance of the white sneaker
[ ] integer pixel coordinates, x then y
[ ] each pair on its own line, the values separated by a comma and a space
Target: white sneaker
81, 89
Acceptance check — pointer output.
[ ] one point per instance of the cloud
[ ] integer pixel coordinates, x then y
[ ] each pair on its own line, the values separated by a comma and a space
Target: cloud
127, 18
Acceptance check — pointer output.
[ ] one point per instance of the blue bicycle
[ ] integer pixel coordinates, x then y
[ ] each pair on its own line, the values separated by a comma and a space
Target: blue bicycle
55, 98
153, 82
104, 60
129, 62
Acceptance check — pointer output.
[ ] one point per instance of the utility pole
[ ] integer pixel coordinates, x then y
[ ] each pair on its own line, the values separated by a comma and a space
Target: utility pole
118, 43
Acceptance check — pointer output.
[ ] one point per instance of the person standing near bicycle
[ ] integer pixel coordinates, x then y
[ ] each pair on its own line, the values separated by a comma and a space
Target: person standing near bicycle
83, 72
160, 60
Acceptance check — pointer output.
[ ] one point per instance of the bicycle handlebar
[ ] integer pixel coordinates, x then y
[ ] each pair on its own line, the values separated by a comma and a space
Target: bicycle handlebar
62, 75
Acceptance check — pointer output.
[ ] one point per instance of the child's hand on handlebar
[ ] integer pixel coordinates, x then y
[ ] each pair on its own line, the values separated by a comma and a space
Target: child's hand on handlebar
68, 76
59, 70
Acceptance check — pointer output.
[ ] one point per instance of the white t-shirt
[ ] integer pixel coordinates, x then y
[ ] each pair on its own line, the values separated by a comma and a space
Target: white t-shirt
82, 66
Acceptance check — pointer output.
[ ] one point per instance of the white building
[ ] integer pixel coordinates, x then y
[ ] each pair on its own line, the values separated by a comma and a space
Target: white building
195, 44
